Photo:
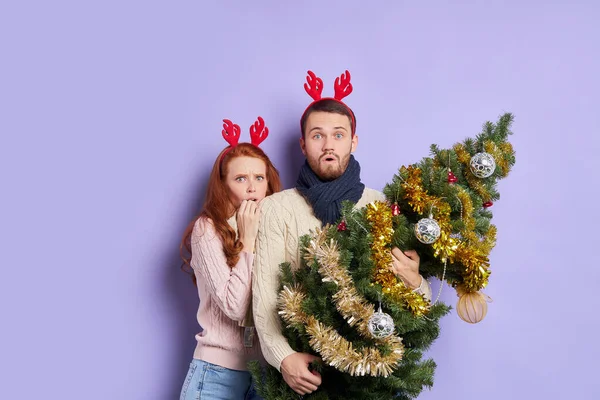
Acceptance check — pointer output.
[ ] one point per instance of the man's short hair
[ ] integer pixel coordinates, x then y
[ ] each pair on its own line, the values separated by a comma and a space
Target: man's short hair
330, 106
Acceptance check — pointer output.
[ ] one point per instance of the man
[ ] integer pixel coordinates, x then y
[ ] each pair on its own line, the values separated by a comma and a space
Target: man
329, 176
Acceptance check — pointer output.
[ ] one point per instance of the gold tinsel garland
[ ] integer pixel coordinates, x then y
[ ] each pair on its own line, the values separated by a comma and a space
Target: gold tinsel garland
507, 150
420, 201
496, 152
333, 348
471, 252
355, 309
379, 215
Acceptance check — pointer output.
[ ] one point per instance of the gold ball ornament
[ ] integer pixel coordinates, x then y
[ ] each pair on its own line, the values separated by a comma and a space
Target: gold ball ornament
472, 307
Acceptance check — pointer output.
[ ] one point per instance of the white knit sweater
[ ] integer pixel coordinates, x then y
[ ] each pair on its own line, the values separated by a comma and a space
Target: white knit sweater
285, 217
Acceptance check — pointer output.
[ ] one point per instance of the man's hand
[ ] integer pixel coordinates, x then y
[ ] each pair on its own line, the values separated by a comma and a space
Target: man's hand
405, 266
296, 374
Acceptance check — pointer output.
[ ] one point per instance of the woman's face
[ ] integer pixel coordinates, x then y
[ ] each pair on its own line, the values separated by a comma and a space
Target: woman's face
246, 180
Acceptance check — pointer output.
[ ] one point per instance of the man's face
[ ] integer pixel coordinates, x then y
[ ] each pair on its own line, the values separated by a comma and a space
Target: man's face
328, 143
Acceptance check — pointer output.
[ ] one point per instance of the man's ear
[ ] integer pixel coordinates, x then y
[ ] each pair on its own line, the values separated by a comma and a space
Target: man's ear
354, 143
302, 146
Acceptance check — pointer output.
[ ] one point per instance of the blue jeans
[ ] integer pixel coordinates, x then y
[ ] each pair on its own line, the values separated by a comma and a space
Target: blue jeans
206, 381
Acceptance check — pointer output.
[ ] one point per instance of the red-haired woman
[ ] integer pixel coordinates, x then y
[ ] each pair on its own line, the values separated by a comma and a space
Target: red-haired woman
221, 244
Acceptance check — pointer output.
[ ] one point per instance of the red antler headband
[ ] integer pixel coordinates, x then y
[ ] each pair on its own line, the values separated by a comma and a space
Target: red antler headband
343, 87
231, 134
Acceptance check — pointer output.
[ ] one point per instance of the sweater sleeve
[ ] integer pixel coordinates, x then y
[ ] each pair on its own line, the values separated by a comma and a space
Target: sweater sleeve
270, 252
424, 288
230, 288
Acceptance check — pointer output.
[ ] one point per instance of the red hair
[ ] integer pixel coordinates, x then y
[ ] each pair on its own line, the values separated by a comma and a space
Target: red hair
218, 207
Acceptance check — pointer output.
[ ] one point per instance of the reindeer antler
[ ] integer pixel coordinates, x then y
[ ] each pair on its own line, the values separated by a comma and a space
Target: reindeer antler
231, 132
258, 132
313, 86
342, 86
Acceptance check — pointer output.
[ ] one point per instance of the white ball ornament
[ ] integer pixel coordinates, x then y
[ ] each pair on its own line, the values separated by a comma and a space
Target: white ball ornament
427, 230
381, 325
483, 165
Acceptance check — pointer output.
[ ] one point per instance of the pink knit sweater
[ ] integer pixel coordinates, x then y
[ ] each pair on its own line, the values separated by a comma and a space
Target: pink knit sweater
225, 295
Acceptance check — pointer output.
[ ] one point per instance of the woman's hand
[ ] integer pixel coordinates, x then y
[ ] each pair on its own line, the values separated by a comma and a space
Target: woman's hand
405, 266
247, 218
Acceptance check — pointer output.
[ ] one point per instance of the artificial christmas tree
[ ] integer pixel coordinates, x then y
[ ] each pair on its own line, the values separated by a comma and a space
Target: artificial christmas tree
345, 305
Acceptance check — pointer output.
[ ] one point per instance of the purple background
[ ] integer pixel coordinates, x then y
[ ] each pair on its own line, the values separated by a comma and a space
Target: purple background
110, 120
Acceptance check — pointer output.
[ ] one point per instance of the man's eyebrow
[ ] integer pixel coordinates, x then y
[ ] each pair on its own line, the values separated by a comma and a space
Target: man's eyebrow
335, 127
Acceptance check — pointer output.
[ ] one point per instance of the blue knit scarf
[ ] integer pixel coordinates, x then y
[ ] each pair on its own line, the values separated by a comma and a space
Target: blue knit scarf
326, 197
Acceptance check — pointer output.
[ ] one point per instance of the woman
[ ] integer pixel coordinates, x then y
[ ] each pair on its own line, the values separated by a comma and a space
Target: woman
221, 244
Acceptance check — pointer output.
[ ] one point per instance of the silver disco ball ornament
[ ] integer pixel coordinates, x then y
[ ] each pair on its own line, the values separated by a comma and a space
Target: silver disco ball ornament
483, 165
381, 325
427, 230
